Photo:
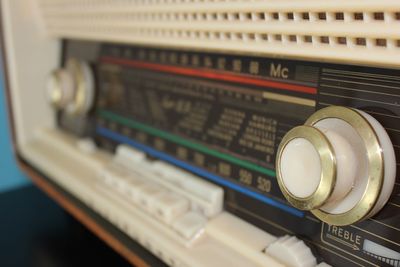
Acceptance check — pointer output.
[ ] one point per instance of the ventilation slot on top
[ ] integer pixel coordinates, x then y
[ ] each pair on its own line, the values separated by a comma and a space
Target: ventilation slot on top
361, 31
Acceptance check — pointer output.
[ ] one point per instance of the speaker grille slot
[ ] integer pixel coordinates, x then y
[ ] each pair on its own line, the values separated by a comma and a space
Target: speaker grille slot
356, 31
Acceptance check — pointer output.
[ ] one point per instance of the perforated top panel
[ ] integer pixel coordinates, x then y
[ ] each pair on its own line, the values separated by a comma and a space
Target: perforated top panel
356, 31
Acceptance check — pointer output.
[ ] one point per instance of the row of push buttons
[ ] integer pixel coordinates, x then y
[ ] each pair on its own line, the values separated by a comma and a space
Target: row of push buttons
167, 200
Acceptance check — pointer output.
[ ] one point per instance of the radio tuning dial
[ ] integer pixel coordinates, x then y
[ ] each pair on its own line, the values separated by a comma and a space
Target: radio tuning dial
340, 165
71, 89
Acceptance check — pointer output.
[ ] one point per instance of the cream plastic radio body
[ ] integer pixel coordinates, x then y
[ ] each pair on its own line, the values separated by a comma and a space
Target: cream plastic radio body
340, 165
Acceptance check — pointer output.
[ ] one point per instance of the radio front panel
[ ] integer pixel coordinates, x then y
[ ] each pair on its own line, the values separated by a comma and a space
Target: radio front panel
222, 117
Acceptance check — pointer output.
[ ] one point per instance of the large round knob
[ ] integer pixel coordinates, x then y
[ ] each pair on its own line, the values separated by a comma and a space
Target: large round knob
340, 165
71, 88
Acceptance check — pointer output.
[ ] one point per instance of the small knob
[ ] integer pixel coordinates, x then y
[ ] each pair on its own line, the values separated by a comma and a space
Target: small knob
340, 165
71, 88
292, 252
60, 88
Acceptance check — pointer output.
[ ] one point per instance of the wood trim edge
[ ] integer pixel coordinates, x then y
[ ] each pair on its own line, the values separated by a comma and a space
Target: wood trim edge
85, 219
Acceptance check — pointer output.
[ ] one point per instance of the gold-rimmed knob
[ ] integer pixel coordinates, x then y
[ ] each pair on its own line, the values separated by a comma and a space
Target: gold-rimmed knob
340, 165
71, 88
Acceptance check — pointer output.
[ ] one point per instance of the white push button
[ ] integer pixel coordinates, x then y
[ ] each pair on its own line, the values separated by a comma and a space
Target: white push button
134, 187
190, 224
171, 173
112, 175
128, 155
205, 195
87, 145
168, 206
292, 252
147, 193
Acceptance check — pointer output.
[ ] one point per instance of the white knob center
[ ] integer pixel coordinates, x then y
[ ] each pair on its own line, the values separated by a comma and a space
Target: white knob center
60, 88
301, 168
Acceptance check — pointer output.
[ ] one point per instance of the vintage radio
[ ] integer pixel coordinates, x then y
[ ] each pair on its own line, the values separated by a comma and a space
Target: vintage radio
214, 133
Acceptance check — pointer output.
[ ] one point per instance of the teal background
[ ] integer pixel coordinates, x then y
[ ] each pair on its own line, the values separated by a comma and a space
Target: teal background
10, 175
